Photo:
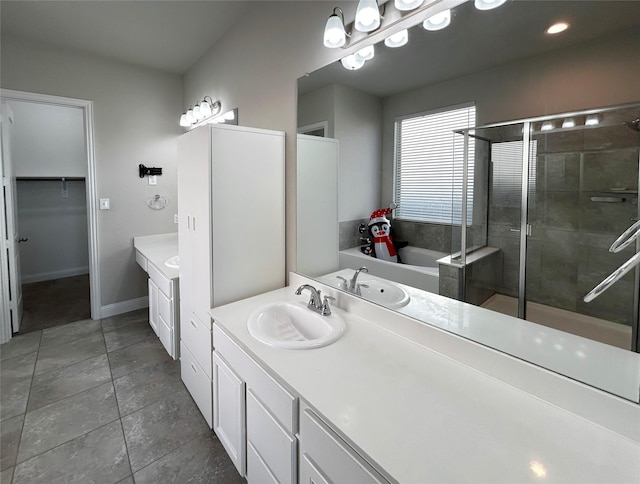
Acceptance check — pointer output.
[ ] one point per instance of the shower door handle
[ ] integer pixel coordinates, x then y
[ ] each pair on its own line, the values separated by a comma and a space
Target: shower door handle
518, 230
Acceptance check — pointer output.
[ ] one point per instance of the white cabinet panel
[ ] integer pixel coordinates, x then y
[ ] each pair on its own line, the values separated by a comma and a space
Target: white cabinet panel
280, 402
257, 470
163, 283
197, 382
197, 337
166, 337
333, 457
153, 306
309, 474
141, 260
229, 412
272, 443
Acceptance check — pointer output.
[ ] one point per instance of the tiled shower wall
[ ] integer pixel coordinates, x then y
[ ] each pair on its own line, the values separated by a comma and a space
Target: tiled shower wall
423, 235
567, 251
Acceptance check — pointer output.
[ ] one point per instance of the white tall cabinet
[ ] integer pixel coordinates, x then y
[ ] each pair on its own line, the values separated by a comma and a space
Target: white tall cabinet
231, 234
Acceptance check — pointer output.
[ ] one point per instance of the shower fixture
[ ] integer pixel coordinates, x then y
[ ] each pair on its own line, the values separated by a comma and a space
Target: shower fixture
634, 125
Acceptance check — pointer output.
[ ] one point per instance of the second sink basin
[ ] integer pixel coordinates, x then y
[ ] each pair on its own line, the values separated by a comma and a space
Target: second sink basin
173, 262
291, 325
384, 293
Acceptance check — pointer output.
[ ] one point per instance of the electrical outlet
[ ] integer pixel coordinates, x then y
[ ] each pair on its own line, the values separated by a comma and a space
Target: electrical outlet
104, 204
153, 180
175, 218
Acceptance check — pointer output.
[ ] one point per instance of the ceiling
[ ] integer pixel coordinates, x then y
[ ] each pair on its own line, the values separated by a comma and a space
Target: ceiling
161, 34
478, 40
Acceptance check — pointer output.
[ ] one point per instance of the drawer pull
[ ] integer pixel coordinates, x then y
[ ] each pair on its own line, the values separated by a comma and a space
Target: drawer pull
193, 367
193, 323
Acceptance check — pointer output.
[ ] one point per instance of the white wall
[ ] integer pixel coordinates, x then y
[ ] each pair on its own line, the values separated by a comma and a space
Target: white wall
135, 119
48, 140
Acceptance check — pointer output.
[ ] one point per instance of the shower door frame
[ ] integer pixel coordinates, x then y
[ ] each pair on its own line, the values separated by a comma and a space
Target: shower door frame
524, 212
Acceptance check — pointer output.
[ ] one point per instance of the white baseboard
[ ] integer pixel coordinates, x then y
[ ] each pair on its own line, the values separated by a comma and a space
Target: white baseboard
49, 276
124, 307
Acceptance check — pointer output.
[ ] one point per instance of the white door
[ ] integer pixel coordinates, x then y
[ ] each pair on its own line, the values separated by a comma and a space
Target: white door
12, 296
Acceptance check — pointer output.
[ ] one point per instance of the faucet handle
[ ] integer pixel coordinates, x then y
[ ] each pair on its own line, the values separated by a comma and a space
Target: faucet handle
343, 283
359, 287
326, 309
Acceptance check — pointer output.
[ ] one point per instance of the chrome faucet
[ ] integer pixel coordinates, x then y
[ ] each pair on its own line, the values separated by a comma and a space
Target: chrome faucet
316, 303
352, 285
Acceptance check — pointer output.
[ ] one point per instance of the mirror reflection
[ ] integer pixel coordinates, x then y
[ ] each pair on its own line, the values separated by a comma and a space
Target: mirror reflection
517, 216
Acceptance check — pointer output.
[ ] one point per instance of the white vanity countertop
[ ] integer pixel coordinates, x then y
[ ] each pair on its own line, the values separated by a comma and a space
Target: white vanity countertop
582, 359
157, 249
422, 416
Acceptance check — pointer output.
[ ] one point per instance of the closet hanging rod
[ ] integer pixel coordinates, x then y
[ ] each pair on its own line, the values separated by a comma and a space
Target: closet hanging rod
50, 178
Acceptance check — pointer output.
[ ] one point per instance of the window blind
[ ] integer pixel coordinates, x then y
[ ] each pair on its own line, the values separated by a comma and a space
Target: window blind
506, 184
427, 182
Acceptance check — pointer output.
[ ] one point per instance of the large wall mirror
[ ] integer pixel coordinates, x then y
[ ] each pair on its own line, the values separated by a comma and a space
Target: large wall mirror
562, 109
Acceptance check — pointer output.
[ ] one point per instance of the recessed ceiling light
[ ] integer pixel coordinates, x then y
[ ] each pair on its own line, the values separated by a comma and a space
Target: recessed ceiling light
557, 28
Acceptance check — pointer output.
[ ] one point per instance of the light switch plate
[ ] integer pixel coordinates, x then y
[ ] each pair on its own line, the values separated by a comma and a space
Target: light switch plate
153, 180
104, 204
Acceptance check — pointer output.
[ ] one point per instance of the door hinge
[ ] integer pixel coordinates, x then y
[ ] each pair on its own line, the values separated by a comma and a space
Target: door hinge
5, 181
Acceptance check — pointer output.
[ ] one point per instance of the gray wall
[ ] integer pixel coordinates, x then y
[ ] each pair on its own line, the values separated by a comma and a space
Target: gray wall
56, 229
48, 140
124, 137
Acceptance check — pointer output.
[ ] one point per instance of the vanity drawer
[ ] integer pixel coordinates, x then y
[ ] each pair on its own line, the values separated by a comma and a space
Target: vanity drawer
270, 440
197, 337
257, 469
337, 460
197, 382
282, 405
163, 283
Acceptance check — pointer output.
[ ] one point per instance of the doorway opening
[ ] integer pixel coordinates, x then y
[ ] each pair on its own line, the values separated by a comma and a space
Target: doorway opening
50, 189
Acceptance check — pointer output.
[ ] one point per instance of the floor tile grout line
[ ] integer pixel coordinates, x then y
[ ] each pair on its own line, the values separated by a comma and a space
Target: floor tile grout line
126, 449
61, 444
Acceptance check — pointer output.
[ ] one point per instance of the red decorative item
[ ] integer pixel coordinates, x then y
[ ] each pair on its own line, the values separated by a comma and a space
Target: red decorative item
382, 245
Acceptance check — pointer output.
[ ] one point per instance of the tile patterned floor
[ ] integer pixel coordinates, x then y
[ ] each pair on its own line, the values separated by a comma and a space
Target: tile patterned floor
101, 401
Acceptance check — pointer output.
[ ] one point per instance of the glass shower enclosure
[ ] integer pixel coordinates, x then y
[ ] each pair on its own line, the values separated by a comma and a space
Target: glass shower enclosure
549, 197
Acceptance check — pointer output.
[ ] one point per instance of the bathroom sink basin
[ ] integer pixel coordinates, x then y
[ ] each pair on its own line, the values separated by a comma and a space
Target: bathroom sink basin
291, 325
173, 262
384, 293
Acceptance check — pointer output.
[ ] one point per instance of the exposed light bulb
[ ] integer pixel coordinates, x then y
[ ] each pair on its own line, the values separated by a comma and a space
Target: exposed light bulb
489, 4
592, 120
398, 39
366, 53
352, 63
190, 117
183, 120
197, 114
438, 21
547, 126
334, 33
367, 16
557, 28
205, 109
404, 5
229, 116
569, 123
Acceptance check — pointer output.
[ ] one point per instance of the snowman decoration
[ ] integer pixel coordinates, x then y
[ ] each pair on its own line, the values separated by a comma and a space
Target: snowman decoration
382, 245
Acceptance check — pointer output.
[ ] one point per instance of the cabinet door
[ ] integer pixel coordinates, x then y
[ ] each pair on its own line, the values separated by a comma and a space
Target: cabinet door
229, 412
153, 306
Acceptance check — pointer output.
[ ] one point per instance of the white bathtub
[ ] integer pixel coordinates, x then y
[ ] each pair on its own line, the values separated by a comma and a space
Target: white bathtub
420, 268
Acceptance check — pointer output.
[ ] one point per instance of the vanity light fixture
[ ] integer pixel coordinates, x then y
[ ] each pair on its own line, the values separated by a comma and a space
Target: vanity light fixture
367, 16
200, 113
405, 5
351, 62
398, 39
334, 33
569, 123
366, 53
489, 4
438, 21
547, 126
557, 28
592, 120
